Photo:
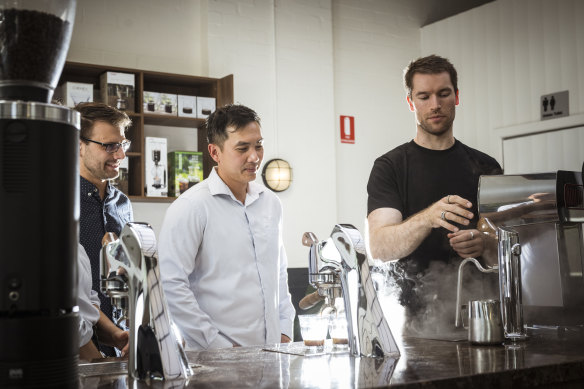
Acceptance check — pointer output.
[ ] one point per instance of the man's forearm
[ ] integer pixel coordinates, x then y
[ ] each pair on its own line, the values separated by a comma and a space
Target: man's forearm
89, 352
397, 241
105, 329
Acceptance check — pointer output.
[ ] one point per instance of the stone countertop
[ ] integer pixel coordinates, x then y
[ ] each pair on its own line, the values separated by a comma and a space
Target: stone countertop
546, 361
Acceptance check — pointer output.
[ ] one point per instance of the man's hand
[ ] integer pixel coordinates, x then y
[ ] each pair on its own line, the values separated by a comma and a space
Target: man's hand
121, 341
285, 339
451, 208
467, 243
391, 238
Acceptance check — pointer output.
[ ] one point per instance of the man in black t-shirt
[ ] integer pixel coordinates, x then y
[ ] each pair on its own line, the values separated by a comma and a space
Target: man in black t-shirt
422, 194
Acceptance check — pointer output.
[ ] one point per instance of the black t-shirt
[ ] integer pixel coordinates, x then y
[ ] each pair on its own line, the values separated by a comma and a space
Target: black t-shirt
410, 178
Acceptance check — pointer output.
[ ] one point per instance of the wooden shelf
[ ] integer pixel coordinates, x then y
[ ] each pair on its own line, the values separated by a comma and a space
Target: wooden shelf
219, 88
173, 121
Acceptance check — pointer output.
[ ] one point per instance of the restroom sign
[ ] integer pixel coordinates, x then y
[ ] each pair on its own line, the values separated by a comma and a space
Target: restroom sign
554, 105
348, 129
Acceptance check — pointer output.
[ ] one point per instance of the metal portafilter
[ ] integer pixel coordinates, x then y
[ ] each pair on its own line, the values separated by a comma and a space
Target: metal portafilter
115, 285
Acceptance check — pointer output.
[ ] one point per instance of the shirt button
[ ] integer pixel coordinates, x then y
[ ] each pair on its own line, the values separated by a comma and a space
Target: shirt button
89, 194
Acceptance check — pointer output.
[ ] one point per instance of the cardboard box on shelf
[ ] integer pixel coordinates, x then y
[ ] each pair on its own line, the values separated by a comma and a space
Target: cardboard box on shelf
156, 167
186, 170
167, 104
205, 106
187, 106
121, 182
117, 90
73, 93
151, 102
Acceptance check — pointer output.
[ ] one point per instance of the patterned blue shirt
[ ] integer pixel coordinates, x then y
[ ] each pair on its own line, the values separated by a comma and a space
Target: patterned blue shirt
98, 217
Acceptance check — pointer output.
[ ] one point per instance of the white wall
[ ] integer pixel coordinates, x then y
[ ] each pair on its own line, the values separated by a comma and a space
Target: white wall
509, 53
280, 54
373, 42
169, 35
545, 152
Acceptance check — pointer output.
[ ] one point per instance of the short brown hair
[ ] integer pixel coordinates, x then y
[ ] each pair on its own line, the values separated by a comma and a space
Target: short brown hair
231, 115
432, 64
100, 112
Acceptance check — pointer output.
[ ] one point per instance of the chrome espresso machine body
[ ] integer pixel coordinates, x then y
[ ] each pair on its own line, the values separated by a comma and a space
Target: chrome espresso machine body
546, 212
131, 276
339, 267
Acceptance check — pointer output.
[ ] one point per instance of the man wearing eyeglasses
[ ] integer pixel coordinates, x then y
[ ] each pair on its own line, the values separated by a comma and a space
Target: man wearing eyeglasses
104, 208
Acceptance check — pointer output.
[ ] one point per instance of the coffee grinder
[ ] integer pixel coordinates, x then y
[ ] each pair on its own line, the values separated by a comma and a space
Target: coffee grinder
39, 199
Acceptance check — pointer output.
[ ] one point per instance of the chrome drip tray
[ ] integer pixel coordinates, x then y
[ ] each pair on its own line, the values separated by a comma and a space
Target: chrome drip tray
103, 368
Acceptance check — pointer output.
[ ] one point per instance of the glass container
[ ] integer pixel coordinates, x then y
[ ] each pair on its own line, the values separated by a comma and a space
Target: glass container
314, 329
35, 37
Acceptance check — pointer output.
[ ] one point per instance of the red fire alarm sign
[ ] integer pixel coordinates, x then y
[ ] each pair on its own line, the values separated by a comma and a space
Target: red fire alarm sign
348, 129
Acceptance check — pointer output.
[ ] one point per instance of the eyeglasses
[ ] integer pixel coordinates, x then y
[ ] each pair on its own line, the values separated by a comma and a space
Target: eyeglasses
111, 147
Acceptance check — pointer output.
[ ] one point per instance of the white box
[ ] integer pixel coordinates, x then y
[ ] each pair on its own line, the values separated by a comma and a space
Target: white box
187, 106
205, 106
73, 93
117, 90
151, 102
156, 167
167, 104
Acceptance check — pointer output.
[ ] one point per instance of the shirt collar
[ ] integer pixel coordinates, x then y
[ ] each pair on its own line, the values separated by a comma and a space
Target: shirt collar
217, 187
88, 188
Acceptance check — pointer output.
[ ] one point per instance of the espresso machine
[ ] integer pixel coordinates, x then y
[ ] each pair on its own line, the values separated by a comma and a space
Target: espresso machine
339, 267
130, 276
538, 219
39, 199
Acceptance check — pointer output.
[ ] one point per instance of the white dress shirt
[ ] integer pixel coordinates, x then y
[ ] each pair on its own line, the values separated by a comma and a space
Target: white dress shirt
224, 268
87, 298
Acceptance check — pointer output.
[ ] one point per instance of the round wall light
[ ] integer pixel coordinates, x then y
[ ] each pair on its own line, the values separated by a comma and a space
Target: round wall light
277, 175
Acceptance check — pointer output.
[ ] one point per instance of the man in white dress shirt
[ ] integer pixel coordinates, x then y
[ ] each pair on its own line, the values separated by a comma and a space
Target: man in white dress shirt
222, 259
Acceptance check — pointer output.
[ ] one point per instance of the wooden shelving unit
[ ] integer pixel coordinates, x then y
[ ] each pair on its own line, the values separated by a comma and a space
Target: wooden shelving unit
220, 88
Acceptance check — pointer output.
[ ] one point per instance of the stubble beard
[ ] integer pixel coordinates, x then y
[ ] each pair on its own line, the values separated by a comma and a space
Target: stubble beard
101, 173
427, 127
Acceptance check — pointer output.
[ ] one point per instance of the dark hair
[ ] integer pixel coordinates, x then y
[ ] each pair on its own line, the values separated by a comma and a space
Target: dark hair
231, 115
100, 112
432, 64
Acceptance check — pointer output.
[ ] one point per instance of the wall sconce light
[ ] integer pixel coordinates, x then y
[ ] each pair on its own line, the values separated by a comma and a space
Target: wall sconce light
277, 175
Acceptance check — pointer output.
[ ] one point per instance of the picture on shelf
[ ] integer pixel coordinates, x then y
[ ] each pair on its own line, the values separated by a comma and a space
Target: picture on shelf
167, 104
156, 167
185, 171
117, 90
151, 101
